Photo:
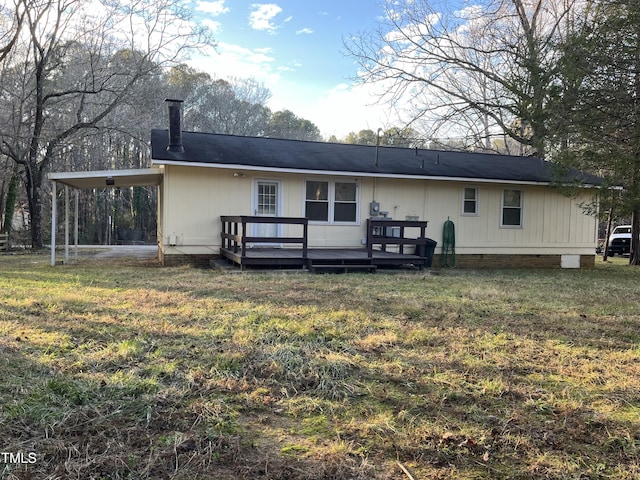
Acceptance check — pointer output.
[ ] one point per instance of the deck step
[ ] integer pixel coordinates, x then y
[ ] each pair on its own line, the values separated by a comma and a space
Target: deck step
341, 267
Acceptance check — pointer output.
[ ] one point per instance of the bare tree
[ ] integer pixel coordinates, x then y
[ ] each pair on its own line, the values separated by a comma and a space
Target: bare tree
476, 72
75, 63
11, 21
234, 106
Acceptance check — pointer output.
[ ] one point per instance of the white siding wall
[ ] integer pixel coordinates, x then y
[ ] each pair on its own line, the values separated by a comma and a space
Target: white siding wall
195, 198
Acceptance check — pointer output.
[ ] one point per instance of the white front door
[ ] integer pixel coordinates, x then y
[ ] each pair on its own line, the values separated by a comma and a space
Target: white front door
266, 204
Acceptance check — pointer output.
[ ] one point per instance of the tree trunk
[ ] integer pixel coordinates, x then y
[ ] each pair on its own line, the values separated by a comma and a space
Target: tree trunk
605, 250
33, 184
634, 256
10, 201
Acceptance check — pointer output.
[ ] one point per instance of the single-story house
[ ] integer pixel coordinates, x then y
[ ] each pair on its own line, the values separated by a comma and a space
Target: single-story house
275, 202
504, 209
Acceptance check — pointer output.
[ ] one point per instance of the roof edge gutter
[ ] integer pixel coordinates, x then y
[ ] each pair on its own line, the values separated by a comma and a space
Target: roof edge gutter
347, 173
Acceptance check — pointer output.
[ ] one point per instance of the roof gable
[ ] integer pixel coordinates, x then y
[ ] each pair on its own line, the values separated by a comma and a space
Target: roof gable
206, 149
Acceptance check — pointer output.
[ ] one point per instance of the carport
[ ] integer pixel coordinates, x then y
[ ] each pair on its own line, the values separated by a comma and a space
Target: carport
144, 177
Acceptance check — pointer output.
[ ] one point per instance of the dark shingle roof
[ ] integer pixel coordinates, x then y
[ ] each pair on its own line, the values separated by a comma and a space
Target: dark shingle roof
332, 158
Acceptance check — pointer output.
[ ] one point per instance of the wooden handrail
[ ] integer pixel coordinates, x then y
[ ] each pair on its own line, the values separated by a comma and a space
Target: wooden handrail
374, 225
234, 232
259, 219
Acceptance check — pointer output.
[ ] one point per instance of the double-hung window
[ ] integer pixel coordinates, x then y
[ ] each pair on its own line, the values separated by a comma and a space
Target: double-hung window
317, 201
511, 209
470, 201
331, 201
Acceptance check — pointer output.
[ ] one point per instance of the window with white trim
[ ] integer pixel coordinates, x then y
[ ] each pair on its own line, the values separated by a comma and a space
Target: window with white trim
511, 209
331, 201
469, 201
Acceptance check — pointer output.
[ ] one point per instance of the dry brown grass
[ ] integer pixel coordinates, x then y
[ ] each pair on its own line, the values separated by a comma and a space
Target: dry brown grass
130, 371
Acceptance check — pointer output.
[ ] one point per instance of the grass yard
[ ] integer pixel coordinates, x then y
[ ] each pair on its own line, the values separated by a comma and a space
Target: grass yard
125, 371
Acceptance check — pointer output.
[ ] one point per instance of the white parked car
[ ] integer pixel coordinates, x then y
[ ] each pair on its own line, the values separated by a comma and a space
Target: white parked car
620, 240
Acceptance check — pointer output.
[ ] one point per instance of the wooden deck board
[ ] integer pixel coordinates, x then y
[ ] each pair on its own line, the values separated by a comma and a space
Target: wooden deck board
283, 257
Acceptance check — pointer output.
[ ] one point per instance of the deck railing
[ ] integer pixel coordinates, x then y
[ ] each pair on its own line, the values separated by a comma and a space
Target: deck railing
392, 232
236, 232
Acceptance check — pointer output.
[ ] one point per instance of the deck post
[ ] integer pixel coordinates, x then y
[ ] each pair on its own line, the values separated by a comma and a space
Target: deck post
305, 243
223, 231
235, 233
369, 238
243, 250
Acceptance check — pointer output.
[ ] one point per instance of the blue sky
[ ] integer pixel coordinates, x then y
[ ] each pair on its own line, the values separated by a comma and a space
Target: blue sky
295, 48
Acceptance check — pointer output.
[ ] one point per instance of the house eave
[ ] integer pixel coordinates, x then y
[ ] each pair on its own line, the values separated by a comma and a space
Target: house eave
336, 173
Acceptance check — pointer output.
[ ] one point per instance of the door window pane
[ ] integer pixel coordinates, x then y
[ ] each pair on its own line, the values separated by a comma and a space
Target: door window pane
267, 199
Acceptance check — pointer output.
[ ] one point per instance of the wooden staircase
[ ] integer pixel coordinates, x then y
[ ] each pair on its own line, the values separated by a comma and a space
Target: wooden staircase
340, 266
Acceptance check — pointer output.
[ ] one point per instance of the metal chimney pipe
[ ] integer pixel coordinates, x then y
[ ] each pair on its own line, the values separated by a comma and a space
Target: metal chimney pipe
175, 127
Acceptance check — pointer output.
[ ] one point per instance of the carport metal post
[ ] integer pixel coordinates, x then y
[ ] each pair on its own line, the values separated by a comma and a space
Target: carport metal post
66, 224
54, 226
75, 223
54, 212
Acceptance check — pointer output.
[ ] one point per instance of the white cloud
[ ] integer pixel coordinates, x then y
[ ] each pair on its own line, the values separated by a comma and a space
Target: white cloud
261, 18
349, 108
236, 61
338, 111
304, 30
214, 8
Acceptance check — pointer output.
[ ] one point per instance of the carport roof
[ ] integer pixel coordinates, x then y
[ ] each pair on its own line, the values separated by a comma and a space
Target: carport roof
109, 178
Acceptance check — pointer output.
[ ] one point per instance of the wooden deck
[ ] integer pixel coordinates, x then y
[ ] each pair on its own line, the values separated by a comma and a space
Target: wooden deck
322, 259
381, 250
